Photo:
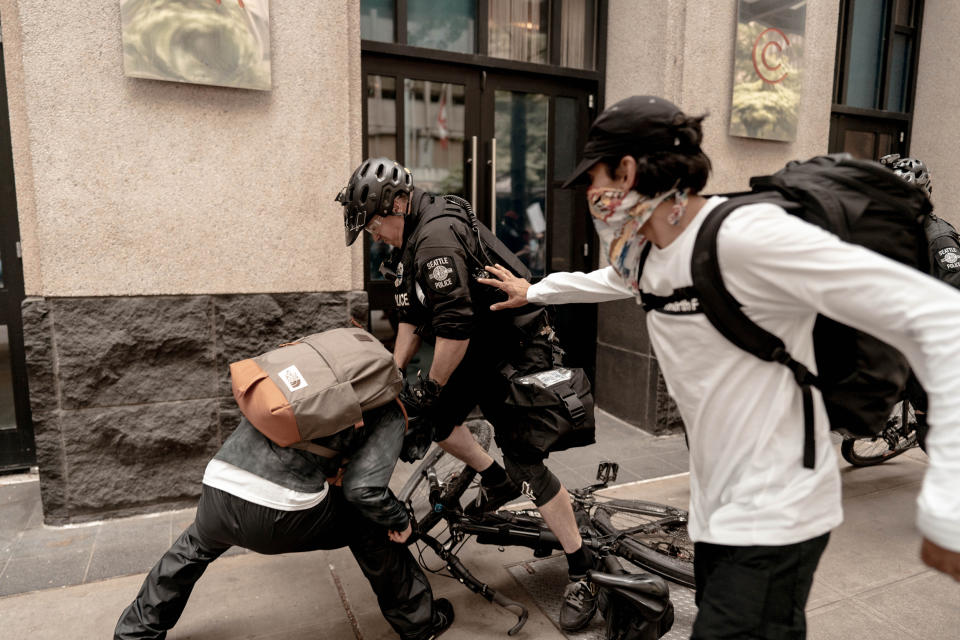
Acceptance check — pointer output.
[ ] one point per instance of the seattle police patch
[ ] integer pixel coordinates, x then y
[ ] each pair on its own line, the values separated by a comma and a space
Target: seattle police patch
440, 274
948, 258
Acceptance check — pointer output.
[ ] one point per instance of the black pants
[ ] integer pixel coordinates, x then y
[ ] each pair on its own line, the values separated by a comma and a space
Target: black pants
223, 520
754, 592
478, 380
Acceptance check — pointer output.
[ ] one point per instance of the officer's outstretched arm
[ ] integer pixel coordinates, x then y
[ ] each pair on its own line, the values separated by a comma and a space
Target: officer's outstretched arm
447, 355
406, 345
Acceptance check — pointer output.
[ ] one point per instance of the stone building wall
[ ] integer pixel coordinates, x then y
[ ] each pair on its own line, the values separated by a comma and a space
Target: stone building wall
169, 229
131, 395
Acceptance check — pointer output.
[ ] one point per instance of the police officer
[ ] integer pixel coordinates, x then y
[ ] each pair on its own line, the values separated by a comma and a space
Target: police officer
443, 252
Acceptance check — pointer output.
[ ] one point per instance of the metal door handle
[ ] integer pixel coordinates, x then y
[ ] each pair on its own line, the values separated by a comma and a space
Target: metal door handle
493, 182
473, 171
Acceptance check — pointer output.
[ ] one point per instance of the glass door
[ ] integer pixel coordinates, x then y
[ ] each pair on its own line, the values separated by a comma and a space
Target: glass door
423, 114
16, 431
504, 141
531, 132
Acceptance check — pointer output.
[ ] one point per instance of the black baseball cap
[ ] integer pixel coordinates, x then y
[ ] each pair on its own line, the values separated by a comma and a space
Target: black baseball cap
632, 126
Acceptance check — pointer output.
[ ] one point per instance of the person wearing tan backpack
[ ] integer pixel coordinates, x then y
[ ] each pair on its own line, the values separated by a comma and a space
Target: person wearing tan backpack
275, 499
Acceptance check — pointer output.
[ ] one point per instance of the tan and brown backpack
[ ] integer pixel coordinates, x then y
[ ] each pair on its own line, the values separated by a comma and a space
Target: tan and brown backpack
315, 386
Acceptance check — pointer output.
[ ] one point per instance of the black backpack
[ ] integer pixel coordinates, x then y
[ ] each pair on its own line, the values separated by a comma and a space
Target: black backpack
860, 377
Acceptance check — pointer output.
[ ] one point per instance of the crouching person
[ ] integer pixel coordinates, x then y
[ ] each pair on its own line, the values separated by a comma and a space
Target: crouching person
272, 499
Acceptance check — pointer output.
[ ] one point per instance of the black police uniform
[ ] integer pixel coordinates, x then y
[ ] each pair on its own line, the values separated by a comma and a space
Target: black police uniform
436, 290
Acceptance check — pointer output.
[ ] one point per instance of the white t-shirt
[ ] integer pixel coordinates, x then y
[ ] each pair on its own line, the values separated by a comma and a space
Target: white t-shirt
744, 416
252, 488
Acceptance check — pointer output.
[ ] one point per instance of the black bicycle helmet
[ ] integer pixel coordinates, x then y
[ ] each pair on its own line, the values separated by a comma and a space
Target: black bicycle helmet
910, 169
370, 192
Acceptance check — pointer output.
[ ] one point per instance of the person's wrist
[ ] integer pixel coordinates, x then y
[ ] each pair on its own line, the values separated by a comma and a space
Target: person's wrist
432, 386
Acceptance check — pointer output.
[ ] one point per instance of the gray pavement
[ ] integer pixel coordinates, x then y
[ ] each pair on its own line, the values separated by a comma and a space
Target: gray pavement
75, 581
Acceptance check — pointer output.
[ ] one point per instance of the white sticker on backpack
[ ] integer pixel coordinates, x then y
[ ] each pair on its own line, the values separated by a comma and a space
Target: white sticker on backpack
292, 378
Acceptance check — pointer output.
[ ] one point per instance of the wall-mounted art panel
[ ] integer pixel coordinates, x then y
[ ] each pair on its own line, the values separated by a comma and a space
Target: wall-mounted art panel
218, 42
767, 69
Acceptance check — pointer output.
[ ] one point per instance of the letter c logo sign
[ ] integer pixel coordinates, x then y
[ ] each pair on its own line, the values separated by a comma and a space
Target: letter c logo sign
767, 50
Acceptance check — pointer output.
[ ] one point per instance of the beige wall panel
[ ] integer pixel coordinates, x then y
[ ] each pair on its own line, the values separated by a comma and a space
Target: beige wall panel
934, 139
683, 50
132, 187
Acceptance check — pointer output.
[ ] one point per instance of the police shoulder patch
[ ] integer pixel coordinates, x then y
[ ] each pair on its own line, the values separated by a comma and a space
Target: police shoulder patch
948, 258
440, 274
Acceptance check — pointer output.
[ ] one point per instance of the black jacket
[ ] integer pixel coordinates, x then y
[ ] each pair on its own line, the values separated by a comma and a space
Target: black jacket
436, 274
369, 454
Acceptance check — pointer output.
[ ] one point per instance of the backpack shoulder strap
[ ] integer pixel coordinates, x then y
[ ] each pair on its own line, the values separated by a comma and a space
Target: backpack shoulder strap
725, 313
721, 308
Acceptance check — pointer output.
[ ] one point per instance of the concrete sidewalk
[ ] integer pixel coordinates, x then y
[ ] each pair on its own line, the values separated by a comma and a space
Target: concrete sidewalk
870, 584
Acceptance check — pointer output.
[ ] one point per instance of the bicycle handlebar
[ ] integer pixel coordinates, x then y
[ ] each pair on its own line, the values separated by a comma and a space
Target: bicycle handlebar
457, 568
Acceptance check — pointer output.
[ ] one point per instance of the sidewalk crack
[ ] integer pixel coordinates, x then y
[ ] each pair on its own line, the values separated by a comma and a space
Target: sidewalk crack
93, 548
346, 603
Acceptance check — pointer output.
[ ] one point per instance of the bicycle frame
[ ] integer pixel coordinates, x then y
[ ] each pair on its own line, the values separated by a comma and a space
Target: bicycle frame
511, 529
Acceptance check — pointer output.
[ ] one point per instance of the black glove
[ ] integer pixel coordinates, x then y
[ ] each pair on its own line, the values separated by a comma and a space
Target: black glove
420, 398
419, 401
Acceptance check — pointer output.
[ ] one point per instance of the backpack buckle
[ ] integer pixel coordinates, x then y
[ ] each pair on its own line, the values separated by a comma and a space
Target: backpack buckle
574, 407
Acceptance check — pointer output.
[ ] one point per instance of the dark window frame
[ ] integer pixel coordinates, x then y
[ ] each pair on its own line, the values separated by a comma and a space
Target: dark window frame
481, 32
840, 112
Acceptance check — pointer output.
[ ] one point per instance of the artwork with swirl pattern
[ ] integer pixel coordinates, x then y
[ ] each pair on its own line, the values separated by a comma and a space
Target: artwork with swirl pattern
218, 42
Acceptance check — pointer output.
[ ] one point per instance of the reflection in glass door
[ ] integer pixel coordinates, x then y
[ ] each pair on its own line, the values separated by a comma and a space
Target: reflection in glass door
520, 175
433, 129
432, 137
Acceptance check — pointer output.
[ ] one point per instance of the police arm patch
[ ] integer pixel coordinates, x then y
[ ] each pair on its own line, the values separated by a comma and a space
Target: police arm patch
948, 258
440, 274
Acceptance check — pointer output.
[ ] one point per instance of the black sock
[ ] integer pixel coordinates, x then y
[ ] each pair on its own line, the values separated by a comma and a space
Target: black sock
493, 475
579, 562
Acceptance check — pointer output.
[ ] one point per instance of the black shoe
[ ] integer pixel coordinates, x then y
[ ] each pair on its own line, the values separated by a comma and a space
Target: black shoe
442, 619
492, 498
579, 605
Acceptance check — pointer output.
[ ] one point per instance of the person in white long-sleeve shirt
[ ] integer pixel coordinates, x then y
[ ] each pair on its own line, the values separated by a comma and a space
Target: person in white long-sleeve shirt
759, 518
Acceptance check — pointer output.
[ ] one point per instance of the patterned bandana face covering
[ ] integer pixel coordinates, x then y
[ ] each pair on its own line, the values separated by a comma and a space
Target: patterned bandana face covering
618, 216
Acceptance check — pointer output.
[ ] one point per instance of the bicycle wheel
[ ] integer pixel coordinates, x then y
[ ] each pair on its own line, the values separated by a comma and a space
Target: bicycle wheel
899, 436
454, 476
652, 536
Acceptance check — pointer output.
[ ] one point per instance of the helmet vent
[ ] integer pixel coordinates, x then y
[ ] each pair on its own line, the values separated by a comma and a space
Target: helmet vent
364, 192
396, 174
364, 168
379, 171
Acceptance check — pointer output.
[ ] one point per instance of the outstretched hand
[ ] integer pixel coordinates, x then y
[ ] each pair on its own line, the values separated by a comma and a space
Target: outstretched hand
514, 287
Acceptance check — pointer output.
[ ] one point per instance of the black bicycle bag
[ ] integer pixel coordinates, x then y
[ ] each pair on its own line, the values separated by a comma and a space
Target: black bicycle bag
549, 411
860, 377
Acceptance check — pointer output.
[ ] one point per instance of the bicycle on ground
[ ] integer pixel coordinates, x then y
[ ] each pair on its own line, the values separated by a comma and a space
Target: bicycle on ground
905, 429
649, 536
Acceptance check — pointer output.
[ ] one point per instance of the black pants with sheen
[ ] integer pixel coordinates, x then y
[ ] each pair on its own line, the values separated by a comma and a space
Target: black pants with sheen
224, 520
754, 592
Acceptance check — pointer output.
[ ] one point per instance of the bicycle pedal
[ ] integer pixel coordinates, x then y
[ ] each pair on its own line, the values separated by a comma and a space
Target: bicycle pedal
607, 471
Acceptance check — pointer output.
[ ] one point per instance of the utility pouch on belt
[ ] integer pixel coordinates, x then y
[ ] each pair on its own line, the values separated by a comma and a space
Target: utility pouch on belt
549, 410
315, 386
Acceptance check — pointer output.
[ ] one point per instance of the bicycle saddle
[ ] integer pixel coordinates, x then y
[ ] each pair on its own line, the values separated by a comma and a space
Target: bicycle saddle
642, 583
649, 593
